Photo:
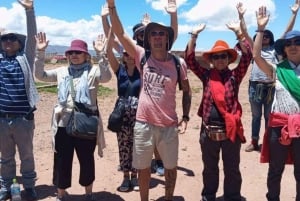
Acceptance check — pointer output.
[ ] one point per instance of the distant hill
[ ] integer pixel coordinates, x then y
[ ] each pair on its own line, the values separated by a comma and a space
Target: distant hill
60, 50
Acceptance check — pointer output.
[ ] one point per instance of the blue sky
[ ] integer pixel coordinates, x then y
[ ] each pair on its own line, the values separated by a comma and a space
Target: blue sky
65, 20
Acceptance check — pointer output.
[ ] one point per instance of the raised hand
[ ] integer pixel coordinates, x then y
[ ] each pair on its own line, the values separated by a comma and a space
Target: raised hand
100, 43
295, 7
146, 19
171, 7
241, 10
41, 41
104, 10
262, 17
199, 28
234, 26
27, 4
1, 30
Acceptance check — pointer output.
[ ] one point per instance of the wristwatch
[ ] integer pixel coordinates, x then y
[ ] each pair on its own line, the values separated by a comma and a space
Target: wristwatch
185, 117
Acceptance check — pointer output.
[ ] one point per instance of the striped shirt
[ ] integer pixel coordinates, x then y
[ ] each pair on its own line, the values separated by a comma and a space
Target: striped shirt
13, 97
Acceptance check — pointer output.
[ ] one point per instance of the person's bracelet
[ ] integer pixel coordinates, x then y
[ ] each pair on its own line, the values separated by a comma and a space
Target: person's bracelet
185, 117
240, 36
260, 30
193, 35
112, 7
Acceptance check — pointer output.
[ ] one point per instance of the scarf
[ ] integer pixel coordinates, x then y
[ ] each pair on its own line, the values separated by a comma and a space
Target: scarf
81, 88
233, 122
289, 79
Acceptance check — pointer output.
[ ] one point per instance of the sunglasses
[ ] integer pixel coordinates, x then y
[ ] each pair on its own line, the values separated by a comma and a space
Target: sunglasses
219, 56
157, 33
11, 38
75, 52
141, 34
289, 43
266, 36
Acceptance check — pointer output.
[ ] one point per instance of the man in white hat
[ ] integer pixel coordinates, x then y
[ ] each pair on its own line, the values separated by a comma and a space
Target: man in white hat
18, 97
156, 119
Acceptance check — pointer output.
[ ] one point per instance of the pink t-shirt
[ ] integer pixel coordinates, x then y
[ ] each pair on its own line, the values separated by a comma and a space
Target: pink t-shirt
157, 101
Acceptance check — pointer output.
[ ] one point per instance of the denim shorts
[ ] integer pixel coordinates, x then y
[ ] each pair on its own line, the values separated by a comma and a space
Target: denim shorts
146, 137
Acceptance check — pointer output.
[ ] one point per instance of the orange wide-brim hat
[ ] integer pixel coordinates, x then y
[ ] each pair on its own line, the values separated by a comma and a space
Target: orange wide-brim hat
221, 46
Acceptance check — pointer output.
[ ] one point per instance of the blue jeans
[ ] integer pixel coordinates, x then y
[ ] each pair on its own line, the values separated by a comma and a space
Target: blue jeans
260, 98
16, 132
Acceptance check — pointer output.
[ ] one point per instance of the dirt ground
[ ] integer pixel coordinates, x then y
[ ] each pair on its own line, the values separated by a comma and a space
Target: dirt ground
189, 181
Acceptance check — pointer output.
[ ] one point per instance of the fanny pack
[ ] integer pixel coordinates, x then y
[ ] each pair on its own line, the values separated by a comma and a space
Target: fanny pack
215, 132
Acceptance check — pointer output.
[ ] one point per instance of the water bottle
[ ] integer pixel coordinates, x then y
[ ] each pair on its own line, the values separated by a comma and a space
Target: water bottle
15, 191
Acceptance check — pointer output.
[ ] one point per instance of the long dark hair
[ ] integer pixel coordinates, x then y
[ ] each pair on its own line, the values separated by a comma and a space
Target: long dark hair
270, 34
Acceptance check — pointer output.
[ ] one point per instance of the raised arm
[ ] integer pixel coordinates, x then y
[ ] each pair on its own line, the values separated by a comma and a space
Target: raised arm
241, 11
262, 20
292, 20
106, 26
194, 35
172, 10
236, 28
31, 31
118, 30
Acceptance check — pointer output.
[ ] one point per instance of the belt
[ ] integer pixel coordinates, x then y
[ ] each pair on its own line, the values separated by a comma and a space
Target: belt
14, 116
217, 136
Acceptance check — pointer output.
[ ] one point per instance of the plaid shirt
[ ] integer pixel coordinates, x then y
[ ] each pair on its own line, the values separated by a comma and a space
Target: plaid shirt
231, 80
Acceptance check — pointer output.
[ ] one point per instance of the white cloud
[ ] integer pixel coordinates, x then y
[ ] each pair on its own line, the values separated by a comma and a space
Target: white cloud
59, 32
161, 4
217, 14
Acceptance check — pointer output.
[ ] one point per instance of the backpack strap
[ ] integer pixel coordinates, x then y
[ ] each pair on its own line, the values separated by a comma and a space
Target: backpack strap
177, 65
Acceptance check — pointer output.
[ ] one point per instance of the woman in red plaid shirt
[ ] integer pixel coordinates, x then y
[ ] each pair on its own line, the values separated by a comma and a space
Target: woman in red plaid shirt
221, 112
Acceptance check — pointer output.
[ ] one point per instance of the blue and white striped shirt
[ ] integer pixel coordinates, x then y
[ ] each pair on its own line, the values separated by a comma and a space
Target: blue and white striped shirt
13, 97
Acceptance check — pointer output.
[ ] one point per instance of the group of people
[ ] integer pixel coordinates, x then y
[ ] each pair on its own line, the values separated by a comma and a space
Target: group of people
147, 76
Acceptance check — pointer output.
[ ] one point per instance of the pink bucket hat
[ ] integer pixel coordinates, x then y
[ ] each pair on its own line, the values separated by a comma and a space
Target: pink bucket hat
78, 45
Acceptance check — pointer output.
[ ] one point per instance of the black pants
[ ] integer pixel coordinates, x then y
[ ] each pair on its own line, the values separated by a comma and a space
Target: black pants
231, 160
63, 159
278, 156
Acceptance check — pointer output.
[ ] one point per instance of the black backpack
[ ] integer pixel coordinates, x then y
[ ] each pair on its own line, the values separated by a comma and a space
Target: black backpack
177, 63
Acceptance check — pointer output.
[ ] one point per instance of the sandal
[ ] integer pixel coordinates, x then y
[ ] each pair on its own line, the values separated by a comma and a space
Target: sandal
125, 186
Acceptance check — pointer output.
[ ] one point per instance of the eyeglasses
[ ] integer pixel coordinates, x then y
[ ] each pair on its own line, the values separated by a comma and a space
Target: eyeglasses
157, 33
75, 52
266, 36
12, 38
289, 43
219, 56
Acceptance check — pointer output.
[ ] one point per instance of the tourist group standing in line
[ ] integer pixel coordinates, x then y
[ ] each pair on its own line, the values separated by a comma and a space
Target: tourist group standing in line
148, 75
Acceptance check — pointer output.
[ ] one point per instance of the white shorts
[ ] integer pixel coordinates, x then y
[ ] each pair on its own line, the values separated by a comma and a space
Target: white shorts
146, 137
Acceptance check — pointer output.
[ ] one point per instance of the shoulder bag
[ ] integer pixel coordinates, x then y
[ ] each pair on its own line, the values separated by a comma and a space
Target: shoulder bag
83, 122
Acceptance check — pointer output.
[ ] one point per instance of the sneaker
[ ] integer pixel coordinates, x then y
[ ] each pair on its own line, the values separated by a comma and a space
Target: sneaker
125, 186
30, 194
135, 184
252, 147
160, 170
4, 195
89, 197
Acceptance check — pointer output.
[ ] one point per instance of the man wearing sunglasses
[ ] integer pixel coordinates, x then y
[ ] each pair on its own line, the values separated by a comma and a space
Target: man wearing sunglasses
18, 97
156, 119
281, 142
